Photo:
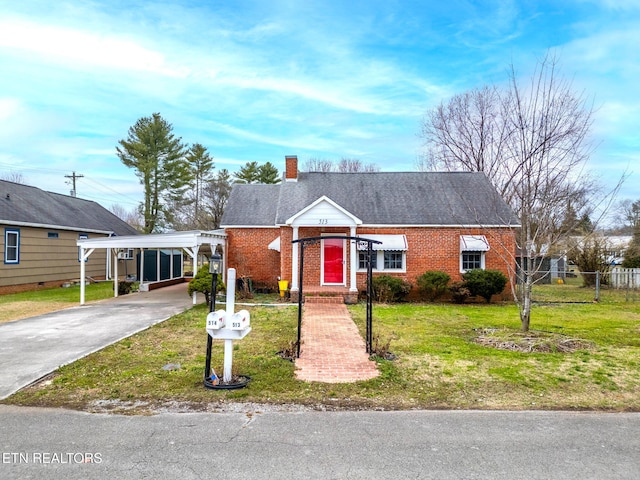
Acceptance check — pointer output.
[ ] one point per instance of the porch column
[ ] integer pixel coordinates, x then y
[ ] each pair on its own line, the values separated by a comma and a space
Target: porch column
294, 262
115, 269
84, 255
141, 279
353, 261
82, 274
193, 253
108, 265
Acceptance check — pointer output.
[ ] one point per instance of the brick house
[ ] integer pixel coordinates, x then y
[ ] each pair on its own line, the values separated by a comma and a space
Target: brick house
449, 221
40, 231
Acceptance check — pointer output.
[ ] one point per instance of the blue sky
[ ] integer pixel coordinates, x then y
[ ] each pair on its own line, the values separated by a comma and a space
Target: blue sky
258, 80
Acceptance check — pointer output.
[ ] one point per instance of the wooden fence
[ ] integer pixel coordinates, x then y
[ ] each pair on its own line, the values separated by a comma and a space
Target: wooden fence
628, 278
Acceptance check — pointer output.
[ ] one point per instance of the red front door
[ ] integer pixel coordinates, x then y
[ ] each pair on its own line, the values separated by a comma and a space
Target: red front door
333, 264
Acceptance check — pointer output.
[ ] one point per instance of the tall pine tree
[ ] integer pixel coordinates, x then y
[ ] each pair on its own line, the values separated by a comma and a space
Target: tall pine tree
157, 155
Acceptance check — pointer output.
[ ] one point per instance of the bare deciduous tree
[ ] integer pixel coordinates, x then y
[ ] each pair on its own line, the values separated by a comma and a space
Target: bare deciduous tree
318, 165
217, 193
15, 177
345, 165
532, 142
132, 217
355, 165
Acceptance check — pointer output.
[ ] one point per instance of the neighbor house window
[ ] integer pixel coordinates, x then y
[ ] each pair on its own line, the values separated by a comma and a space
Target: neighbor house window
11, 245
52, 235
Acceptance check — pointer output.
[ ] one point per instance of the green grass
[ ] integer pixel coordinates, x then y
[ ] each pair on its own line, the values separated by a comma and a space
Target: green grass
20, 305
439, 364
95, 291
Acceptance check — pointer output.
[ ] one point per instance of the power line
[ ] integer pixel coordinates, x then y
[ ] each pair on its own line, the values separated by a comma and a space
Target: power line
73, 176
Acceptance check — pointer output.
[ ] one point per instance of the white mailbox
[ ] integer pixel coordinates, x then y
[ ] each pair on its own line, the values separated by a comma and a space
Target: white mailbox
239, 320
216, 320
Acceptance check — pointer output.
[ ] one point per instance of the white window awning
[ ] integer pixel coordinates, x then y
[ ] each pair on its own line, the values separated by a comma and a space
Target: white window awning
474, 243
389, 242
275, 245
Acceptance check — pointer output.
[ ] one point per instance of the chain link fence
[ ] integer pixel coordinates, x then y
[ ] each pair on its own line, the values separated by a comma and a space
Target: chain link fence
572, 286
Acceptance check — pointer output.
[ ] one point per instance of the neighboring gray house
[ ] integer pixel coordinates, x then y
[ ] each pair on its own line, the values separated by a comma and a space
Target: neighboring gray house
453, 221
39, 234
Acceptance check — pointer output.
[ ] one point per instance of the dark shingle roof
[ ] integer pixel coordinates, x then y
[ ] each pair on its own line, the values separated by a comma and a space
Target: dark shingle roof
29, 205
379, 198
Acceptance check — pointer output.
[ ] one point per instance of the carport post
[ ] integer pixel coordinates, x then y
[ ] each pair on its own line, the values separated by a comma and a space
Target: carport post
82, 274
83, 258
115, 274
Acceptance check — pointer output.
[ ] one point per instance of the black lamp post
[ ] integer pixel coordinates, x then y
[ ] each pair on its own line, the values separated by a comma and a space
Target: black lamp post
215, 267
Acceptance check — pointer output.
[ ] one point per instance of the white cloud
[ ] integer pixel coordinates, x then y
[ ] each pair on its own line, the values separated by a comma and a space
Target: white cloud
80, 49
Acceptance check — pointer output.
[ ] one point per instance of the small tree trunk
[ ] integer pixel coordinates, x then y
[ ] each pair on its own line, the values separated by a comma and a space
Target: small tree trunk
525, 314
525, 308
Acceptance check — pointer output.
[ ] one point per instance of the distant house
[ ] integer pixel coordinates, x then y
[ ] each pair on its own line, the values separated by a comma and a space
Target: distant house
616, 248
40, 231
453, 221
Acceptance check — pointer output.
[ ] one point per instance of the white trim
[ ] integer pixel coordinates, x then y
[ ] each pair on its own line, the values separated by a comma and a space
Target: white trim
157, 240
353, 262
55, 227
275, 244
344, 262
15, 232
482, 259
274, 227
380, 262
324, 199
445, 225
294, 261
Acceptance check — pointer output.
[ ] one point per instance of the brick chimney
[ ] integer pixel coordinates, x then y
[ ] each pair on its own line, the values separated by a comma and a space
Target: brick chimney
291, 168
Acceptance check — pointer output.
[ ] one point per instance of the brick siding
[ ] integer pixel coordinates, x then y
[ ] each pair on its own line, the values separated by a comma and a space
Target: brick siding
428, 249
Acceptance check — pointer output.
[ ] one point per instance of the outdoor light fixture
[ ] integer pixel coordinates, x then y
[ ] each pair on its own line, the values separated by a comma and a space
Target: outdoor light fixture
215, 267
215, 263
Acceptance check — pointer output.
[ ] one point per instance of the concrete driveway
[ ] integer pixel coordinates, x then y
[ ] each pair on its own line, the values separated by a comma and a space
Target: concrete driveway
36, 346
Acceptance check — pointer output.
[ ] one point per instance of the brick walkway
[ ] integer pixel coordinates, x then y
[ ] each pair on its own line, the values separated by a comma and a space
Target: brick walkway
332, 350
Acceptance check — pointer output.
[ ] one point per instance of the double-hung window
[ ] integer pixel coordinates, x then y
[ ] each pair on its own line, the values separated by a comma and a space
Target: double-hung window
393, 260
12, 245
472, 252
471, 261
362, 260
389, 255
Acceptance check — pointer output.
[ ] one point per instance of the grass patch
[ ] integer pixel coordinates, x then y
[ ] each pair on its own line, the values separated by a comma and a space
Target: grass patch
439, 362
36, 302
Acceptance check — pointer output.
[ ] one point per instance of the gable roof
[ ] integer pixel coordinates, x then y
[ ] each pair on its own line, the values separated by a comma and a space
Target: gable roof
29, 206
377, 198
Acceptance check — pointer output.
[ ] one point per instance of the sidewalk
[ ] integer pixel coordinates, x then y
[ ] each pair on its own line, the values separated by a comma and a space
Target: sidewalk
332, 350
34, 347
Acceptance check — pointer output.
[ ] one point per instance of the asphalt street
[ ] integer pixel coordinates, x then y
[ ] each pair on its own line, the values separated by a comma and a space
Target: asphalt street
61, 444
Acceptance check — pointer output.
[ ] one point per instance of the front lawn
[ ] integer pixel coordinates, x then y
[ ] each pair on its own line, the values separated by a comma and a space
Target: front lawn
439, 362
16, 306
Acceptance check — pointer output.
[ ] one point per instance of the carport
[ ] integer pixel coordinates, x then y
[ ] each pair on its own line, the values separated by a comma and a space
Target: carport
190, 242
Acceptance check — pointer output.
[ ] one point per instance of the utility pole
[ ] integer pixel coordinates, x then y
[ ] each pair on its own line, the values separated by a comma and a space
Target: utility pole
73, 177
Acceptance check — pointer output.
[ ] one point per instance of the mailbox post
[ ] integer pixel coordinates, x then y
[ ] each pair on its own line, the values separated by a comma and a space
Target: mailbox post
215, 267
228, 326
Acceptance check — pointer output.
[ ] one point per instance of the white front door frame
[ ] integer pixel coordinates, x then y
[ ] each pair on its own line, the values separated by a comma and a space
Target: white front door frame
342, 283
